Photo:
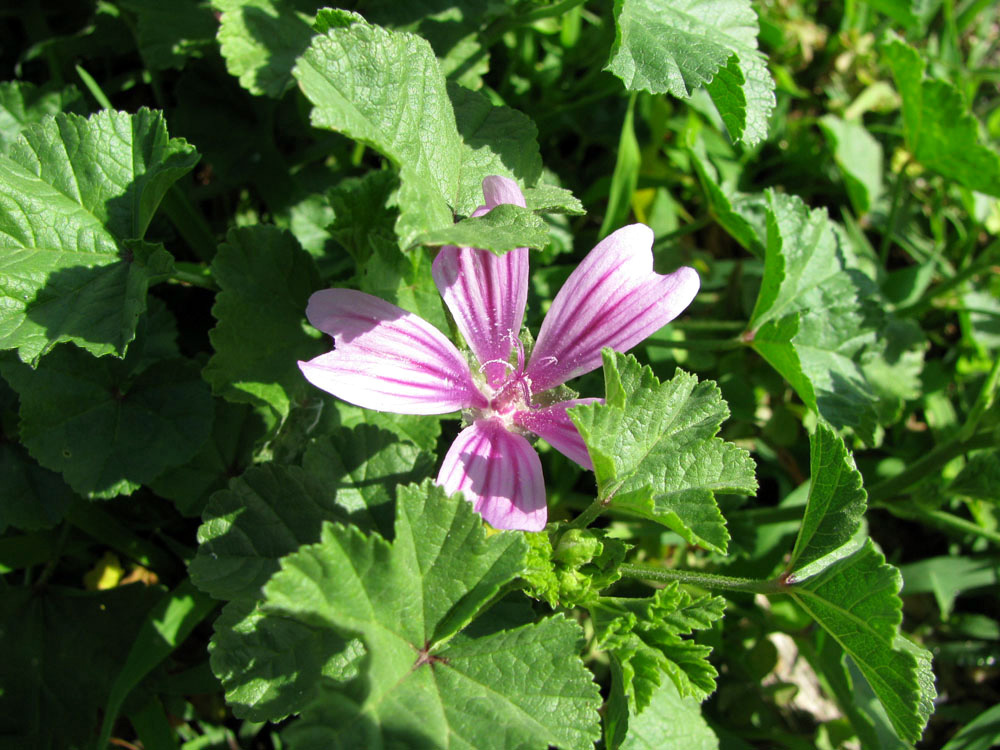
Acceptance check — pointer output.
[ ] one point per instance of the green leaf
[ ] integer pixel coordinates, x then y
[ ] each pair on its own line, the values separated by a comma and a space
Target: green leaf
738, 213
551, 199
836, 503
979, 478
670, 722
816, 319
23, 104
420, 687
947, 577
62, 649
941, 132
625, 177
498, 141
582, 563
166, 627
31, 497
503, 229
662, 46
856, 601
265, 514
227, 453
106, 425
266, 279
859, 159
261, 40
169, 34
364, 466
74, 195
982, 733
644, 635
271, 666
359, 78
655, 452
422, 431
363, 220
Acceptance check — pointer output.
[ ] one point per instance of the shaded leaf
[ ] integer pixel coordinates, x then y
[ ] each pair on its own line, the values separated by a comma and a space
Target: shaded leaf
23, 104
106, 425
264, 515
364, 465
261, 40
271, 666
170, 33
266, 279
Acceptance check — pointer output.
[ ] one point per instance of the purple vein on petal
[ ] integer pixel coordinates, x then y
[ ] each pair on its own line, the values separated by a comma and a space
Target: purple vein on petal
385, 358
613, 298
499, 473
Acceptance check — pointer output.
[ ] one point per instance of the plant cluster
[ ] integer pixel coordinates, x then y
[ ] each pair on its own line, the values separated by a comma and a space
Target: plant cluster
772, 522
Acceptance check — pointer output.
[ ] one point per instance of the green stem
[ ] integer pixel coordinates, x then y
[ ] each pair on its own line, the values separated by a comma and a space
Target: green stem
929, 464
709, 325
984, 401
550, 11
193, 278
590, 513
890, 226
704, 580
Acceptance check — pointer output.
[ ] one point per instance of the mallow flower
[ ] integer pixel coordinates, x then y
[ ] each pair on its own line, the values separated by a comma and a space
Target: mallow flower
388, 359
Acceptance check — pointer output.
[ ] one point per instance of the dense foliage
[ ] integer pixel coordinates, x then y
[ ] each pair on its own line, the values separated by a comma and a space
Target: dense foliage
790, 535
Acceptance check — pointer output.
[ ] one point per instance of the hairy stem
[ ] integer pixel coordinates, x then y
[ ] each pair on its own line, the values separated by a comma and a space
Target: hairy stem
704, 580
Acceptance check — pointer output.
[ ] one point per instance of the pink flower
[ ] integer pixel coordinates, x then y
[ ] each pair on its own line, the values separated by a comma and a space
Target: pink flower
391, 360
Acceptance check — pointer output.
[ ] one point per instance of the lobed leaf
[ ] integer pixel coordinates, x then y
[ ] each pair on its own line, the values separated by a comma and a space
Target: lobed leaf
644, 636
260, 41
666, 46
655, 452
265, 279
360, 77
110, 426
76, 195
406, 600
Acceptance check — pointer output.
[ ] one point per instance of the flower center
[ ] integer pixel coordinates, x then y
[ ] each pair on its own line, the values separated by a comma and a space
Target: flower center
512, 394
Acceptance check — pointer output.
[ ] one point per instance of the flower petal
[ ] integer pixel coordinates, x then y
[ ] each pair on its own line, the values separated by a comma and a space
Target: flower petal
613, 298
500, 474
385, 358
486, 293
553, 424
497, 190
